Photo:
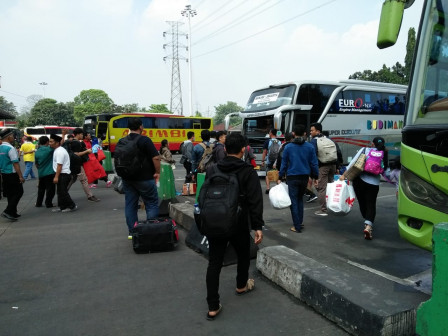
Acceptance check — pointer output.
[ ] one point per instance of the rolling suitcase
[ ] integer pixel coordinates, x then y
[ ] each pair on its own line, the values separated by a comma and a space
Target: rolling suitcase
155, 235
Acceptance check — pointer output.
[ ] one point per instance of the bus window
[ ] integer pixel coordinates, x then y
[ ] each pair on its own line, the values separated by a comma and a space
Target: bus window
149, 122
206, 123
316, 95
258, 127
196, 125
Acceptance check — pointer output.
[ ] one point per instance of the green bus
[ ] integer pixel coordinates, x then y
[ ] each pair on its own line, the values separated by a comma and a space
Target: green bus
423, 186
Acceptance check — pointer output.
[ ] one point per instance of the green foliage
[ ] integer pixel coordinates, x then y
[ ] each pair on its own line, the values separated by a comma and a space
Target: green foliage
198, 114
224, 109
7, 107
49, 112
91, 101
159, 108
397, 74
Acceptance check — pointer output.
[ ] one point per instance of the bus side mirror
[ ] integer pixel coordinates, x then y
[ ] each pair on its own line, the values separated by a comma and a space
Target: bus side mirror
390, 23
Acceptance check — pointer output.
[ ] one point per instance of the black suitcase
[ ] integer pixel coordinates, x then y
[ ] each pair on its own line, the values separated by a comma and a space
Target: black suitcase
155, 236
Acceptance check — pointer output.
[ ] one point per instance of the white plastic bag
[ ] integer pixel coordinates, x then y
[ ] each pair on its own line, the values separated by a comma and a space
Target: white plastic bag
279, 196
340, 197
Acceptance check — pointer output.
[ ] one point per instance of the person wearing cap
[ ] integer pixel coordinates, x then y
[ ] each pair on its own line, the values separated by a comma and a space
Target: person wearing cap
62, 177
367, 186
11, 174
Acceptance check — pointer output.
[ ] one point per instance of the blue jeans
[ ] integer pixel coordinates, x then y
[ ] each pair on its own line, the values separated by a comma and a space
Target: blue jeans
145, 189
296, 189
28, 169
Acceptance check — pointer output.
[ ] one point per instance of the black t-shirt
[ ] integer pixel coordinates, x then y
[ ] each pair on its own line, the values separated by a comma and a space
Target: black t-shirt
79, 146
148, 150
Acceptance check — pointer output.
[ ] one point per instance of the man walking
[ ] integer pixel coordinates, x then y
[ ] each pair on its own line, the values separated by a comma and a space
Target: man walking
326, 152
27, 150
199, 149
299, 162
187, 152
44, 164
62, 176
79, 148
11, 174
144, 181
251, 212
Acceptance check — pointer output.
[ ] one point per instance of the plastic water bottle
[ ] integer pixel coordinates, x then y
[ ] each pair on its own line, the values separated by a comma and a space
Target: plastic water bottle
197, 210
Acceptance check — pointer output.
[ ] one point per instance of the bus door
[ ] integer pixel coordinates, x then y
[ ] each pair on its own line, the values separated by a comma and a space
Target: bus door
300, 118
101, 129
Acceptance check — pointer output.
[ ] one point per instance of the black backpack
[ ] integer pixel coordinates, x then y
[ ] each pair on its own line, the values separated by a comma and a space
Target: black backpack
128, 158
220, 204
75, 160
273, 150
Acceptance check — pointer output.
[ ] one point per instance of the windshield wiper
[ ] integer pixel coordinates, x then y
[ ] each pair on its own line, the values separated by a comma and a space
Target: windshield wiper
436, 135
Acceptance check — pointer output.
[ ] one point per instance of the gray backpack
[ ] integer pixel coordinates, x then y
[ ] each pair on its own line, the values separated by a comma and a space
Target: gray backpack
326, 150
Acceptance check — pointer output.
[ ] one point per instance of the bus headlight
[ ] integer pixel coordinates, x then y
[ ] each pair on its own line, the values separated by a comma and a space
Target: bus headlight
422, 192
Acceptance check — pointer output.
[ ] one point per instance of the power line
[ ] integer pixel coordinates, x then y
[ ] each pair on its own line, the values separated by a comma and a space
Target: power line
238, 21
225, 13
15, 94
267, 29
210, 16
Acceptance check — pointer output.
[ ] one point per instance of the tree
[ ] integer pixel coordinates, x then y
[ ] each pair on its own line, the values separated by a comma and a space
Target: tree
159, 108
224, 109
49, 112
91, 101
398, 74
7, 107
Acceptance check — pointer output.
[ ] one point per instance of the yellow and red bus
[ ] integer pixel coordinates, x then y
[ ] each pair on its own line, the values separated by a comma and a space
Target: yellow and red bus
174, 128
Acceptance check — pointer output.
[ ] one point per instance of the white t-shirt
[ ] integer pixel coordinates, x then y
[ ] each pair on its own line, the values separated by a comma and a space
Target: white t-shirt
60, 156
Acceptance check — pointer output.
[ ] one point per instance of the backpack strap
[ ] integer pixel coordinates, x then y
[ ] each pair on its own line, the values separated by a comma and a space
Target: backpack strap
203, 145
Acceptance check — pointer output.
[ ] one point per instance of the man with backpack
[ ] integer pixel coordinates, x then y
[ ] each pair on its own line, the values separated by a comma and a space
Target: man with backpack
201, 151
137, 162
327, 155
187, 152
219, 150
271, 148
236, 201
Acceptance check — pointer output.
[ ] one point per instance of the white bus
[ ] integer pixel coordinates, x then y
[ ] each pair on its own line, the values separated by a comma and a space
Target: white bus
352, 111
37, 131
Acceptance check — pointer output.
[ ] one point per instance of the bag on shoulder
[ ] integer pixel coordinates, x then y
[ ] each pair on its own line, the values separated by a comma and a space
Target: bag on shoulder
357, 168
75, 160
220, 204
207, 157
326, 150
127, 158
273, 150
374, 162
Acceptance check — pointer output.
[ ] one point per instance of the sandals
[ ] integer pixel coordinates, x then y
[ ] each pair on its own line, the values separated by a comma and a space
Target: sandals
368, 232
250, 285
212, 317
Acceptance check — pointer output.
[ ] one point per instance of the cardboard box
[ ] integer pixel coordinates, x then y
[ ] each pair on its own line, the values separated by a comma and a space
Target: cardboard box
189, 189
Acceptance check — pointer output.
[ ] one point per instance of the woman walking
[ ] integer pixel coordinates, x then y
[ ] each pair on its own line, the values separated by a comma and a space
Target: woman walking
367, 185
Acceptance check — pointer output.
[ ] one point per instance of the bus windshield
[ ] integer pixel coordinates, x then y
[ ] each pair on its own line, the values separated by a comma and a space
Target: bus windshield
271, 98
257, 127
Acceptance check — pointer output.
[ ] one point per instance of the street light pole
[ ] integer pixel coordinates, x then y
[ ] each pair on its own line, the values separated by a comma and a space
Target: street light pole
188, 12
43, 86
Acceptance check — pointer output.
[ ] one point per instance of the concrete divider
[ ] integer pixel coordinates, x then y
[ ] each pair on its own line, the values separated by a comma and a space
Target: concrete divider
358, 307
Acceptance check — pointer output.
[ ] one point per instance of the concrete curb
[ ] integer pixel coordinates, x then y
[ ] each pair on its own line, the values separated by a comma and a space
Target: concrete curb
355, 306
182, 213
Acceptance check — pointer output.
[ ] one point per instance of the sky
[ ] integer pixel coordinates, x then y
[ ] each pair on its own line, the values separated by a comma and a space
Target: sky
237, 46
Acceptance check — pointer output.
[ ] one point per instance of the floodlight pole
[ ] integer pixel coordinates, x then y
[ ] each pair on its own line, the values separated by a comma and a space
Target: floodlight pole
188, 12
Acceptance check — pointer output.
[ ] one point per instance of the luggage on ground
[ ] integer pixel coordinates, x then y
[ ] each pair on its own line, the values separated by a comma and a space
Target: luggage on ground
155, 235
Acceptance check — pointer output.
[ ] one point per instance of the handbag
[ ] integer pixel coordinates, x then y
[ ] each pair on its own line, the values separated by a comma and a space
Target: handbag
357, 168
273, 175
93, 169
101, 155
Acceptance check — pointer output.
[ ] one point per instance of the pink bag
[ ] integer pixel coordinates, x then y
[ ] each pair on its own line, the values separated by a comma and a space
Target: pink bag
374, 162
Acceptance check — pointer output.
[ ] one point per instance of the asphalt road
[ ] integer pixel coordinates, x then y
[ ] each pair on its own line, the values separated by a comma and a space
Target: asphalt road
76, 274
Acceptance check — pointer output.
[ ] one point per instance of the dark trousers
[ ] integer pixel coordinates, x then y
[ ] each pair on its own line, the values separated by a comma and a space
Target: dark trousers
64, 199
48, 188
217, 250
366, 194
296, 188
14, 192
187, 166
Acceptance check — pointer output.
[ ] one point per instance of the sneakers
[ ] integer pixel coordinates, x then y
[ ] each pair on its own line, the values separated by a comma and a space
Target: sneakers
56, 210
70, 209
93, 199
267, 191
92, 186
368, 234
8, 216
321, 213
311, 198
129, 236
108, 184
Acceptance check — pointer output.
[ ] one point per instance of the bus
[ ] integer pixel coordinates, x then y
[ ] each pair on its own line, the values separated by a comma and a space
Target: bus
37, 131
352, 111
112, 127
423, 185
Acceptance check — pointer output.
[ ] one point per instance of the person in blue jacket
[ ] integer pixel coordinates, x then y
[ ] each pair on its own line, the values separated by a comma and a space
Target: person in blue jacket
299, 163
